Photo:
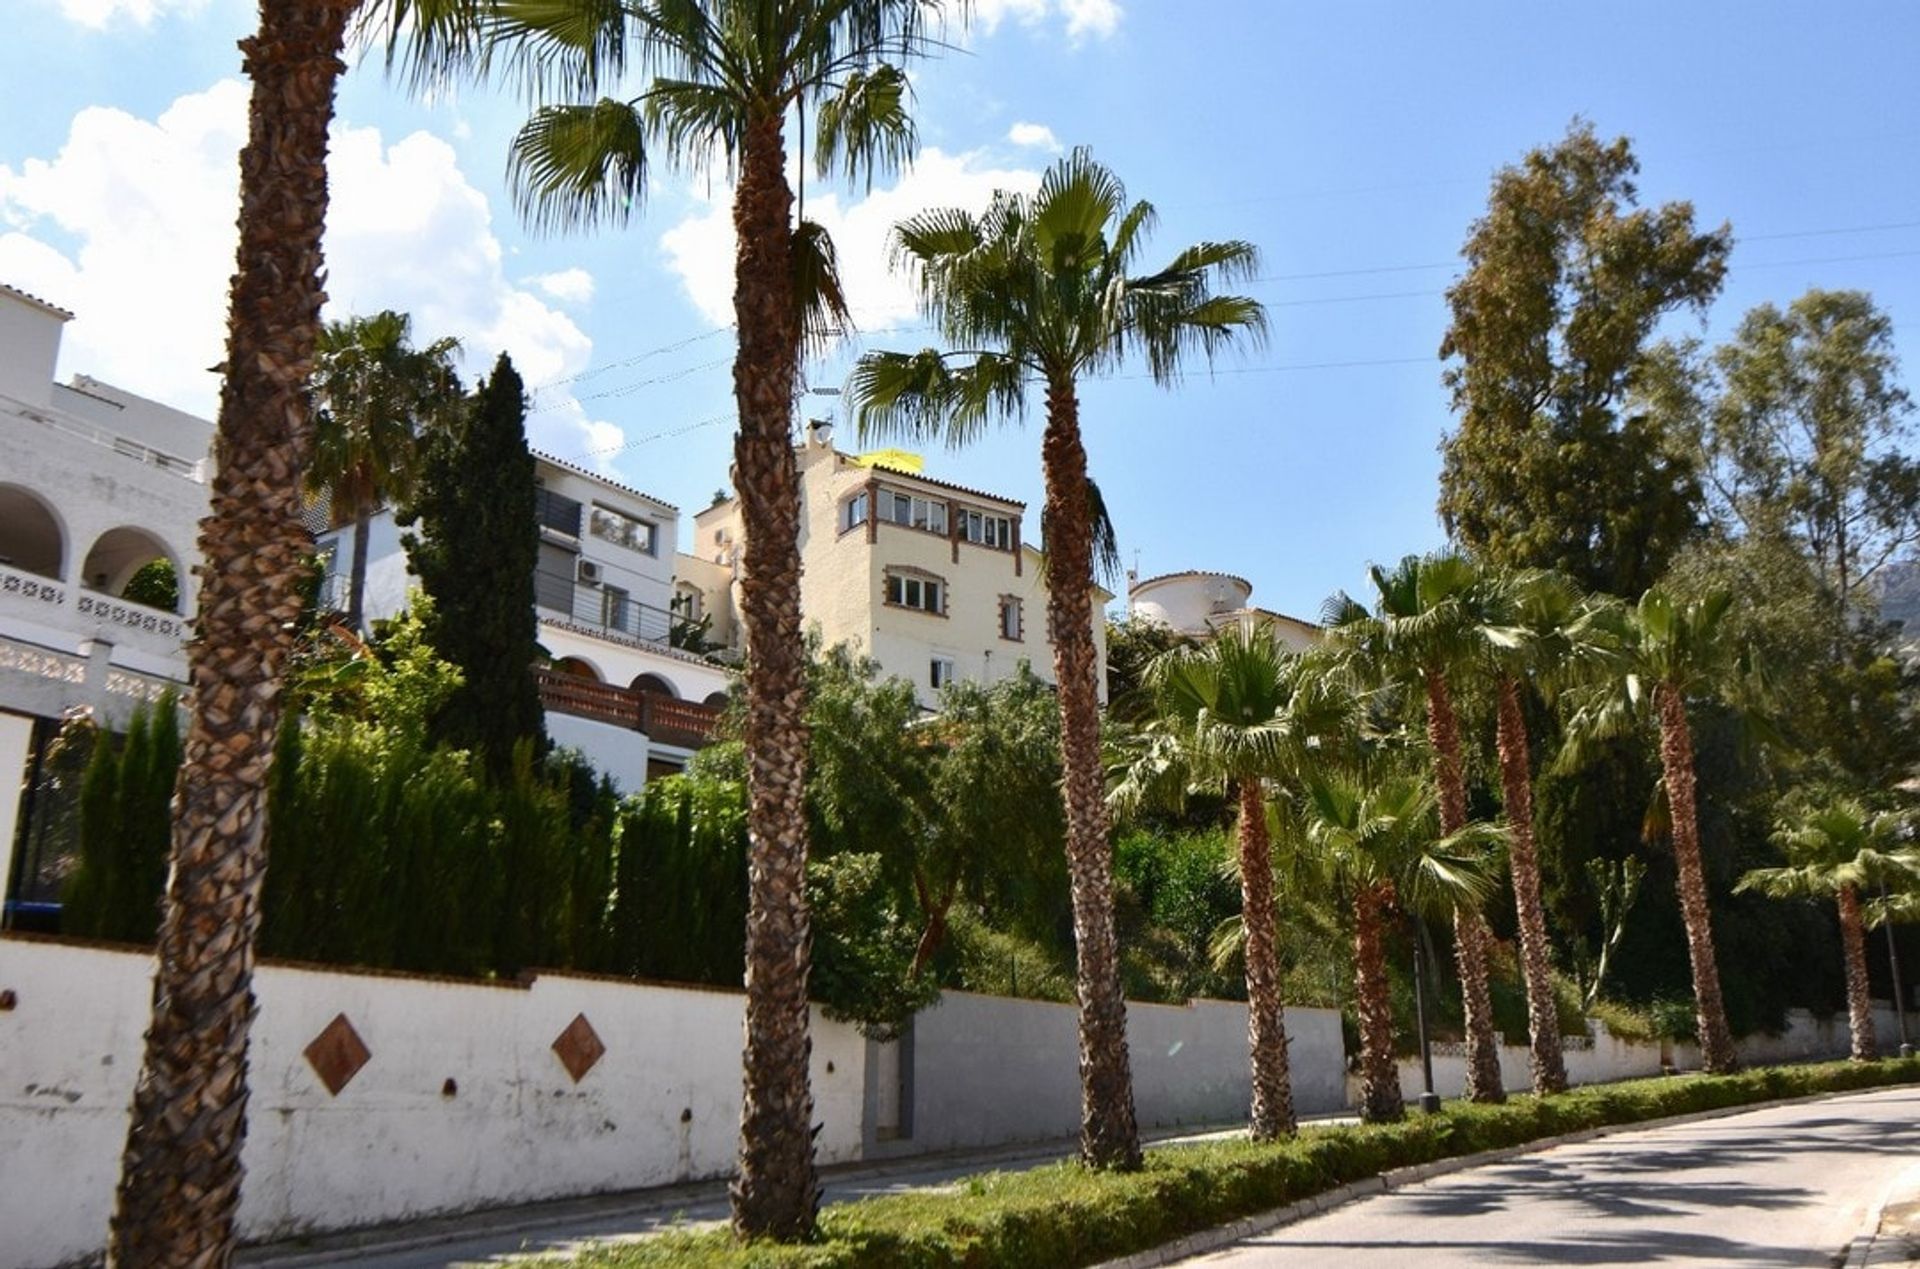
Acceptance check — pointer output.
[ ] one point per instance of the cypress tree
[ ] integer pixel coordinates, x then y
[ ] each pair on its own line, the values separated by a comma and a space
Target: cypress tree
475, 553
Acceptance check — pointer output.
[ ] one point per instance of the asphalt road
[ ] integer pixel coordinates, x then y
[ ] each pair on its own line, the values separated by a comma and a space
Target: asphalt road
1788, 1186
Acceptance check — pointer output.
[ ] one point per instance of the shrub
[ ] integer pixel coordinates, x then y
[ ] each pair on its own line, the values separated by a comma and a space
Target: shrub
1064, 1214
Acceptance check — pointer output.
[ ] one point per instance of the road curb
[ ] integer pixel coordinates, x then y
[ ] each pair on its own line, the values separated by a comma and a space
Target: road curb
1868, 1247
1224, 1236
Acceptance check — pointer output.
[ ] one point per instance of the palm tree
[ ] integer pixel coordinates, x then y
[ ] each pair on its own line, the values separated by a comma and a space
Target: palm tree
1232, 715
1839, 849
1039, 292
1376, 840
1535, 628
720, 78
1671, 650
1420, 636
373, 392
180, 1174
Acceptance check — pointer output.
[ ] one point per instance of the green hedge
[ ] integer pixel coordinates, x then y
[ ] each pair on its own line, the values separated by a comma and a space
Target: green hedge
1063, 1214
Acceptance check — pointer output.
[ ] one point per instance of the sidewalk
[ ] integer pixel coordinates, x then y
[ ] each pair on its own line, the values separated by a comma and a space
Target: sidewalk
563, 1225
1896, 1238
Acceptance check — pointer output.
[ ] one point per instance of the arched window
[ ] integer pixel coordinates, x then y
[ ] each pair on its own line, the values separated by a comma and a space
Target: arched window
718, 700
653, 685
578, 667
31, 539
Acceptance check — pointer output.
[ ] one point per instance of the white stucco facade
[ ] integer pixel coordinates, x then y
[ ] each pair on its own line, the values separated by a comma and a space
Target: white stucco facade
95, 483
963, 546
1199, 604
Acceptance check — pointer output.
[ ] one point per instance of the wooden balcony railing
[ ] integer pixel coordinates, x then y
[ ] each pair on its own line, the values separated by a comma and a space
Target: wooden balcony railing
688, 724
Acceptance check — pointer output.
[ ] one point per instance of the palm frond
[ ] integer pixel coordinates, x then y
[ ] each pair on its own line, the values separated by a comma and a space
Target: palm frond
577, 166
824, 315
919, 397
865, 126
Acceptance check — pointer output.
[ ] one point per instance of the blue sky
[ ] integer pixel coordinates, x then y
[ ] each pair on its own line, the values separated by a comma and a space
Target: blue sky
1351, 142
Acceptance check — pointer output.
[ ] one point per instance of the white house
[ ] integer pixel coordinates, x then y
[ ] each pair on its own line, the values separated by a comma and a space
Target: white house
617, 688
96, 483
1199, 604
932, 580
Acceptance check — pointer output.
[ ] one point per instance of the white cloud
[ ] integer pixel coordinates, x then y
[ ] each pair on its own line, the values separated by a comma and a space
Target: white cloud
1035, 136
1083, 17
99, 14
131, 226
700, 248
569, 286
1091, 17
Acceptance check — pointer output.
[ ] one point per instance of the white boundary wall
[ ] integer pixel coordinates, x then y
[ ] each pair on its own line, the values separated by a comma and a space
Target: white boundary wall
663, 1105
1610, 1059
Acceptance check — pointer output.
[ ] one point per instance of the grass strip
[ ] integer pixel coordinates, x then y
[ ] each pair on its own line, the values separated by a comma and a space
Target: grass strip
1063, 1214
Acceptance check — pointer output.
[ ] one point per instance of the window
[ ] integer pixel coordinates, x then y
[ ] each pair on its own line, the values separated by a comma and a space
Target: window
853, 512
557, 512
622, 530
1010, 617
919, 513
940, 672
615, 608
909, 590
987, 530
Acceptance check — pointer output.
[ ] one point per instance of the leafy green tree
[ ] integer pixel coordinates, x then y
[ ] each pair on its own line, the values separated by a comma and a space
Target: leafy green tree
1232, 715
1840, 849
1807, 434
1421, 640
156, 585
1567, 279
373, 395
1132, 644
475, 553
720, 79
1038, 293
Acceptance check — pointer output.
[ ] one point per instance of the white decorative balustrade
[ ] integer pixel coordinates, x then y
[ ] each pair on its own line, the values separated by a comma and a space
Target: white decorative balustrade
131, 616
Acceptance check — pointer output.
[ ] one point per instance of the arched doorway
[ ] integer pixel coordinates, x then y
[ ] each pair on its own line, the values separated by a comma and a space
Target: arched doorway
31, 539
577, 667
119, 556
716, 700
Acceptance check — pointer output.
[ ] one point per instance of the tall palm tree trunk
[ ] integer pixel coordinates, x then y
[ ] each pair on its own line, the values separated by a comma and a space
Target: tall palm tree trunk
1676, 761
777, 1191
1516, 776
1380, 1100
1853, 940
1271, 1115
1470, 934
357, 572
180, 1173
1109, 1135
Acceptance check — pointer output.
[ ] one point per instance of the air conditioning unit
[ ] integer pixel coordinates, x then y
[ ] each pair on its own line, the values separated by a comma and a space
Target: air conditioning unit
588, 572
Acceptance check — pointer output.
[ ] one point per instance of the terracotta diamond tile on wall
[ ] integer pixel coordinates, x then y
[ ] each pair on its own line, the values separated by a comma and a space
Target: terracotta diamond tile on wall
337, 1054
579, 1047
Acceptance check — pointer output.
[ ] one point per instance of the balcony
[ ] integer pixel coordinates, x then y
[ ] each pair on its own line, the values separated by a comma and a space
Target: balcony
686, 724
601, 609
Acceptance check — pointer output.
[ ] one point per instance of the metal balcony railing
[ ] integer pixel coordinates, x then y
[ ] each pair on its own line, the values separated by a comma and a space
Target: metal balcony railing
606, 608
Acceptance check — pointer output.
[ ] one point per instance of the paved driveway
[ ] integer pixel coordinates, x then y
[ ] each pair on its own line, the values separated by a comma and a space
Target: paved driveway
1787, 1186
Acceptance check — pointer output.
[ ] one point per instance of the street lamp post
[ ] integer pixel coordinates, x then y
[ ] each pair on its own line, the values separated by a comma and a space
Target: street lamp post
1893, 964
1429, 1100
